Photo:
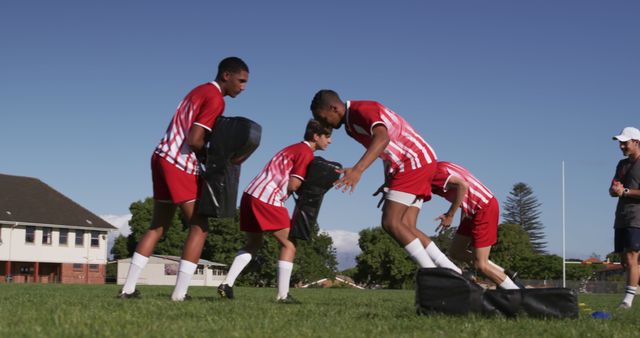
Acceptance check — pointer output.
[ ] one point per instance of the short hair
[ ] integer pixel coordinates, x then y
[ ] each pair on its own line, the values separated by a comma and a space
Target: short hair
322, 100
314, 127
231, 64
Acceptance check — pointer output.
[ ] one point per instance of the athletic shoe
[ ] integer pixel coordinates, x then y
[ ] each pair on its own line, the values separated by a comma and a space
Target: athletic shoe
185, 298
624, 306
225, 291
134, 294
288, 300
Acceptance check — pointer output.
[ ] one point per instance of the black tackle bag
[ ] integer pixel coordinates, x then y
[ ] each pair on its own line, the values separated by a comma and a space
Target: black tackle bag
319, 179
232, 141
440, 290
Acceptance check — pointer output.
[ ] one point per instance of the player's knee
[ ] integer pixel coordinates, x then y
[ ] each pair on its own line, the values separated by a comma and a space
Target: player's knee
482, 266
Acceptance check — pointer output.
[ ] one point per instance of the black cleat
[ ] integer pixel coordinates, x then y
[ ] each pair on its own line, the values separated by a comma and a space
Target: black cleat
288, 300
134, 295
225, 291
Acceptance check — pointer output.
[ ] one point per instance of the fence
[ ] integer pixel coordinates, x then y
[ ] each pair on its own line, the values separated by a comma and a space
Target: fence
590, 286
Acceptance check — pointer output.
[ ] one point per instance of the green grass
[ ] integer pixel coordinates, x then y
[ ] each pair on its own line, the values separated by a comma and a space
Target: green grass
30, 310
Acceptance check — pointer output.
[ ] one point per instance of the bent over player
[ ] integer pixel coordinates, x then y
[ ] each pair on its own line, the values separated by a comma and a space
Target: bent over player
174, 170
409, 164
262, 207
479, 221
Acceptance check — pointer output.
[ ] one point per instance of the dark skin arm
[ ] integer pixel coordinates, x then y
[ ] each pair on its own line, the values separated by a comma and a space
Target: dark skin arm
196, 139
351, 176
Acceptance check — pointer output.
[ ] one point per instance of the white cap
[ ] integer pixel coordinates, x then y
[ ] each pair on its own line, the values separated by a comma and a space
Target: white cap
628, 133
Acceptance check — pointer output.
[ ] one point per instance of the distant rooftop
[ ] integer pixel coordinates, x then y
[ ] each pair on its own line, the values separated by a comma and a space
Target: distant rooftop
28, 200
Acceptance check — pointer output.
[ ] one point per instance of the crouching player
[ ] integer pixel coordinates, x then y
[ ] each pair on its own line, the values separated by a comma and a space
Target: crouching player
479, 222
262, 207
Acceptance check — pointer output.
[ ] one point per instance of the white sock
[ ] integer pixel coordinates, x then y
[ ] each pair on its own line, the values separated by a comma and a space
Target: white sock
508, 284
439, 258
239, 263
185, 272
629, 294
284, 277
138, 262
417, 253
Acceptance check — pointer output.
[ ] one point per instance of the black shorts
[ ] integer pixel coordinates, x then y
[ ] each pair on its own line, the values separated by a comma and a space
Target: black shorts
627, 239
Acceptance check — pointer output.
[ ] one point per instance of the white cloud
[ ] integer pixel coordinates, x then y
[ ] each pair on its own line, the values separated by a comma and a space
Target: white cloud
344, 241
122, 223
346, 244
119, 221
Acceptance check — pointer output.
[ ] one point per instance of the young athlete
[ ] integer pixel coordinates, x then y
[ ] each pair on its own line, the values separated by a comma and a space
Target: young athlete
262, 207
174, 169
409, 165
479, 222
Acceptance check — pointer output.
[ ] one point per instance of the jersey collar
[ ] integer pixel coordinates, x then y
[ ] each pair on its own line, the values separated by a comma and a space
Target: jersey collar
347, 106
217, 86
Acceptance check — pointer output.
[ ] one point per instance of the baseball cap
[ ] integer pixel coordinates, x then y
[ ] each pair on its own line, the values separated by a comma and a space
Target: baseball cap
628, 133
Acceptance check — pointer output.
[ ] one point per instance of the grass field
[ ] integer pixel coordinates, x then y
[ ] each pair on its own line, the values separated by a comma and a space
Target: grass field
30, 310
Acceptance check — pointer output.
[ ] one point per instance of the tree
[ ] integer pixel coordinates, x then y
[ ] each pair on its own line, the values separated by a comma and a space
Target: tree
315, 259
382, 261
444, 239
521, 208
119, 249
513, 248
172, 240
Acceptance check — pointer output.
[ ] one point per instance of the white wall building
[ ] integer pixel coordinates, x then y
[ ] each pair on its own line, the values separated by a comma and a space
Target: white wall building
163, 270
47, 237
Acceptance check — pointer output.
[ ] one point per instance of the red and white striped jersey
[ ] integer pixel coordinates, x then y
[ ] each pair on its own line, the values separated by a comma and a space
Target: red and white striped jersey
478, 196
201, 106
406, 150
270, 186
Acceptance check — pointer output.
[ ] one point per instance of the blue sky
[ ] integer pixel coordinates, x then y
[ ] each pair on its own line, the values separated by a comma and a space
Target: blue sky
508, 89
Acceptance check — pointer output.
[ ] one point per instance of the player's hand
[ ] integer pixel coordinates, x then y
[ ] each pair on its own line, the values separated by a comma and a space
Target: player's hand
382, 190
445, 222
617, 189
349, 180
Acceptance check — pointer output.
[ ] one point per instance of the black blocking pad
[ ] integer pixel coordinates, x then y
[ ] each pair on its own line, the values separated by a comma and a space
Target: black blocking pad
232, 141
441, 290
321, 174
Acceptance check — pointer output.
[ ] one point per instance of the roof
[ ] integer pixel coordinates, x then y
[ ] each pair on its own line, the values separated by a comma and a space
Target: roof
29, 201
165, 259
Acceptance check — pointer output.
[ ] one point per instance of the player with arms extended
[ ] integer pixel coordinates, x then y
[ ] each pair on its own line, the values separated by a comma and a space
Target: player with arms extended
409, 167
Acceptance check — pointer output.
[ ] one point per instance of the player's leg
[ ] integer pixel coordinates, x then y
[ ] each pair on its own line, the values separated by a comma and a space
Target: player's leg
392, 215
481, 262
410, 219
198, 230
161, 220
436, 257
631, 262
285, 262
240, 261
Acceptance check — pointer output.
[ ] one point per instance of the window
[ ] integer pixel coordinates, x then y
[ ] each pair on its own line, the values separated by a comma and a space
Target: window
93, 267
95, 242
46, 236
30, 235
79, 237
77, 266
64, 235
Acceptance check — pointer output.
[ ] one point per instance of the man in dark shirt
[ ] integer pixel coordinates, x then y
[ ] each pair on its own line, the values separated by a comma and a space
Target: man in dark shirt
626, 187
